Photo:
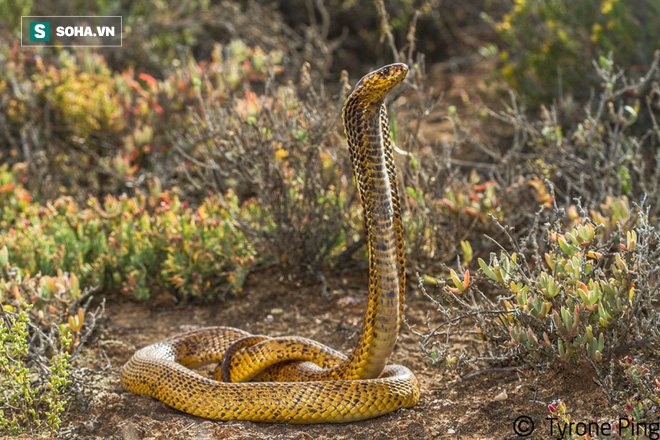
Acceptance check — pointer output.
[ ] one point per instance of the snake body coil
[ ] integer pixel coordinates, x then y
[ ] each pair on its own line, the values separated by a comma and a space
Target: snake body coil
292, 379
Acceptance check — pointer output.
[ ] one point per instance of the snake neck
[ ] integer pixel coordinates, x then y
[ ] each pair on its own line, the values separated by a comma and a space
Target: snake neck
367, 130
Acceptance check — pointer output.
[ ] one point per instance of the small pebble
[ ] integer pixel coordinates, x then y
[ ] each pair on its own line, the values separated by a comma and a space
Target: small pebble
502, 396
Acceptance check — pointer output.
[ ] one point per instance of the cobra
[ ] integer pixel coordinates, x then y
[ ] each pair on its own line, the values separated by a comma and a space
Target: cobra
293, 379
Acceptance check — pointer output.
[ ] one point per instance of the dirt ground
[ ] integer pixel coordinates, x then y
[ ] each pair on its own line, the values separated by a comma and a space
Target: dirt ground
482, 407
449, 407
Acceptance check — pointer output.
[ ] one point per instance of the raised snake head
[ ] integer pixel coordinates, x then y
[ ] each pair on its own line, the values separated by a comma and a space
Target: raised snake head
372, 88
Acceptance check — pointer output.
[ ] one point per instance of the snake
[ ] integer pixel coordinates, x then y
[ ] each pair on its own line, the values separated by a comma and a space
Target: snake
293, 379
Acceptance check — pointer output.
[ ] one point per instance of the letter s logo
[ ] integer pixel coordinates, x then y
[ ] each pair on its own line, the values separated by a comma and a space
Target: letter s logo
40, 31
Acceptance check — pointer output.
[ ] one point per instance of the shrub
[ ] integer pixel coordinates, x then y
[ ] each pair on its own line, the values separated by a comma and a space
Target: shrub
279, 149
43, 324
608, 150
27, 405
80, 125
580, 293
578, 296
603, 150
548, 46
130, 244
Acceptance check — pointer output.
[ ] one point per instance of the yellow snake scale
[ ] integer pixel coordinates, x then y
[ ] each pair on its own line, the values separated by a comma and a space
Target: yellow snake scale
293, 379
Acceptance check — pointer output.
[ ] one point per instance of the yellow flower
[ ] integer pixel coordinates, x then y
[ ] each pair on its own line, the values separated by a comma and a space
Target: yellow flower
503, 26
595, 32
606, 6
